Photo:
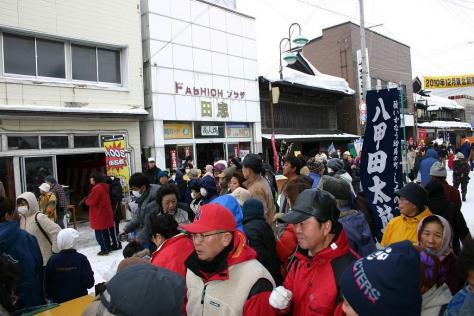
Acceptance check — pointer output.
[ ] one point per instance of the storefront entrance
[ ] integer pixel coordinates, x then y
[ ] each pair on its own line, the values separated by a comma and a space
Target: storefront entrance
209, 153
7, 177
73, 173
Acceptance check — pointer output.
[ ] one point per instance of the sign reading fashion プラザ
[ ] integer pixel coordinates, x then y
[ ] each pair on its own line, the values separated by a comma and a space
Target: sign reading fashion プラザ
381, 171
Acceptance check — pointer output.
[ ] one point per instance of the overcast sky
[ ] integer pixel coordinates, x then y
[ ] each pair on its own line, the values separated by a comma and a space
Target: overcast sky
437, 31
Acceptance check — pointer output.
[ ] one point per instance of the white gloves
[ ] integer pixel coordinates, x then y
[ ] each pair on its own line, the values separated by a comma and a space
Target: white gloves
280, 298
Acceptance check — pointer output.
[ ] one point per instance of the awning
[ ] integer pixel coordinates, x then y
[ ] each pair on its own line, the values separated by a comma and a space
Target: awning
48, 110
313, 136
445, 124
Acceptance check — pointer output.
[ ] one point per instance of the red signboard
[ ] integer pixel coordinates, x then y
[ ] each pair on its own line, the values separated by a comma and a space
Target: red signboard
422, 133
174, 159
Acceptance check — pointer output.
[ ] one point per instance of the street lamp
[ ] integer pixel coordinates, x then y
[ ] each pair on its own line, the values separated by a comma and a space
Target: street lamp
290, 56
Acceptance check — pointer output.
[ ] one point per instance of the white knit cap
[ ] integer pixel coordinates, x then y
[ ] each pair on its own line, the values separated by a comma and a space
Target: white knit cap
44, 187
67, 238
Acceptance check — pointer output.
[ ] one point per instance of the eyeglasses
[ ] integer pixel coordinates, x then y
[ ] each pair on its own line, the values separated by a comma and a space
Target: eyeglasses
200, 237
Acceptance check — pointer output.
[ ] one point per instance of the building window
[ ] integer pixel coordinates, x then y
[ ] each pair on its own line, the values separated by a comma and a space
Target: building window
95, 64
32, 56
23, 142
53, 142
86, 141
45, 58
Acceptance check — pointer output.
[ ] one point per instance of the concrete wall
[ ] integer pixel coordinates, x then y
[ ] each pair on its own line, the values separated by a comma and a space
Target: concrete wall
96, 22
115, 23
199, 45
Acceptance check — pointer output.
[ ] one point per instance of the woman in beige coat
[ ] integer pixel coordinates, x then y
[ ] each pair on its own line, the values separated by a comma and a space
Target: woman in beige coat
38, 224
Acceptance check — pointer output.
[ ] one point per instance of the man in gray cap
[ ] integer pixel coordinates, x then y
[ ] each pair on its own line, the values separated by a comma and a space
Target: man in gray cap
438, 173
310, 286
258, 186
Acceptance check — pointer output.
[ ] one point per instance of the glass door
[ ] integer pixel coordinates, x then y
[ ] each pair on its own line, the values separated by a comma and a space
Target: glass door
35, 170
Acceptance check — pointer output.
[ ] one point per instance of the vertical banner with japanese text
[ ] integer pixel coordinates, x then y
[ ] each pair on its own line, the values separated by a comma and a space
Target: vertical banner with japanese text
381, 171
116, 159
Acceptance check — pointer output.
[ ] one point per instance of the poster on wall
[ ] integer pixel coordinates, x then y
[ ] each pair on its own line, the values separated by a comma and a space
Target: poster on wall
116, 159
174, 159
381, 171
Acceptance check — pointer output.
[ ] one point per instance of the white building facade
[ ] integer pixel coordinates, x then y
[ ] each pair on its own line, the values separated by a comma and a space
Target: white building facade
70, 75
201, 88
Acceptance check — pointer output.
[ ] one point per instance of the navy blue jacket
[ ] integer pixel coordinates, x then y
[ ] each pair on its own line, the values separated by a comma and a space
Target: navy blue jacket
358, 231
68, 275
425, 165
22, 249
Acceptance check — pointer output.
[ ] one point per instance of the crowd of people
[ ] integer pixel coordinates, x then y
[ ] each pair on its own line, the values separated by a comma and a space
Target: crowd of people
226, 240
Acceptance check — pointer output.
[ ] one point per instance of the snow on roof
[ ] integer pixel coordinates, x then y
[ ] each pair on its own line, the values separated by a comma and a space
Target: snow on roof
445, 124
319, 80
287, 136
436, 103
80, 110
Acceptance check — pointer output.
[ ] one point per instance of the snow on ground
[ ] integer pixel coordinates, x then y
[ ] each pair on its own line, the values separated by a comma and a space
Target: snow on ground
105, 266
467, 208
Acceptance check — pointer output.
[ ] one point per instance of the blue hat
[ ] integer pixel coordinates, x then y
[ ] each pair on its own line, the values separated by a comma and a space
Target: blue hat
162, 174
230, 202
253, 208
386, 282
208, 183
50, 179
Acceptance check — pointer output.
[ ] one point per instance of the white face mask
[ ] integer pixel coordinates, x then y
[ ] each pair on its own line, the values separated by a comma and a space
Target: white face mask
203, 191
193, 195
330, 170
22, 209
136, 194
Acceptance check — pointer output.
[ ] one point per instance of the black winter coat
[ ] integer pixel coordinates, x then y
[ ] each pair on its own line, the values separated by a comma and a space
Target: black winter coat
260, 237
442, 207
68, 275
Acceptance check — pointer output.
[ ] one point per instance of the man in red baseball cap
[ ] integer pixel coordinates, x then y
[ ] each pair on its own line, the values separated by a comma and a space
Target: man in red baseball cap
222, 254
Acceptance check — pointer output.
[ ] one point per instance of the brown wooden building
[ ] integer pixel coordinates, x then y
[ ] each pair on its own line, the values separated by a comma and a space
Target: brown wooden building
335, 53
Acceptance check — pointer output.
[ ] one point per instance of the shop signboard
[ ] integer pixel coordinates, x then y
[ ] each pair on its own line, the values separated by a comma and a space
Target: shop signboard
178, 130
209, 130
238, 130
116, 159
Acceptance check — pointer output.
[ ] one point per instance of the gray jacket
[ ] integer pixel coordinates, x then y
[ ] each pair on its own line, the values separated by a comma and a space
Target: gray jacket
146, 205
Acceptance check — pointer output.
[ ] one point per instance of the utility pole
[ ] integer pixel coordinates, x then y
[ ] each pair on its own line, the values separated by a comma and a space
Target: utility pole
363, 50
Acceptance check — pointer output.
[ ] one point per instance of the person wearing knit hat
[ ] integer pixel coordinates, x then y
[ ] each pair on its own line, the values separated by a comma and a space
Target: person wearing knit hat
316, 170
208, 189
47, 202
438, 170
412, 198
68, 273
387, 282
261, 237
438, 174
163, 177
334, 165
143, 289
353, 221
223, 275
